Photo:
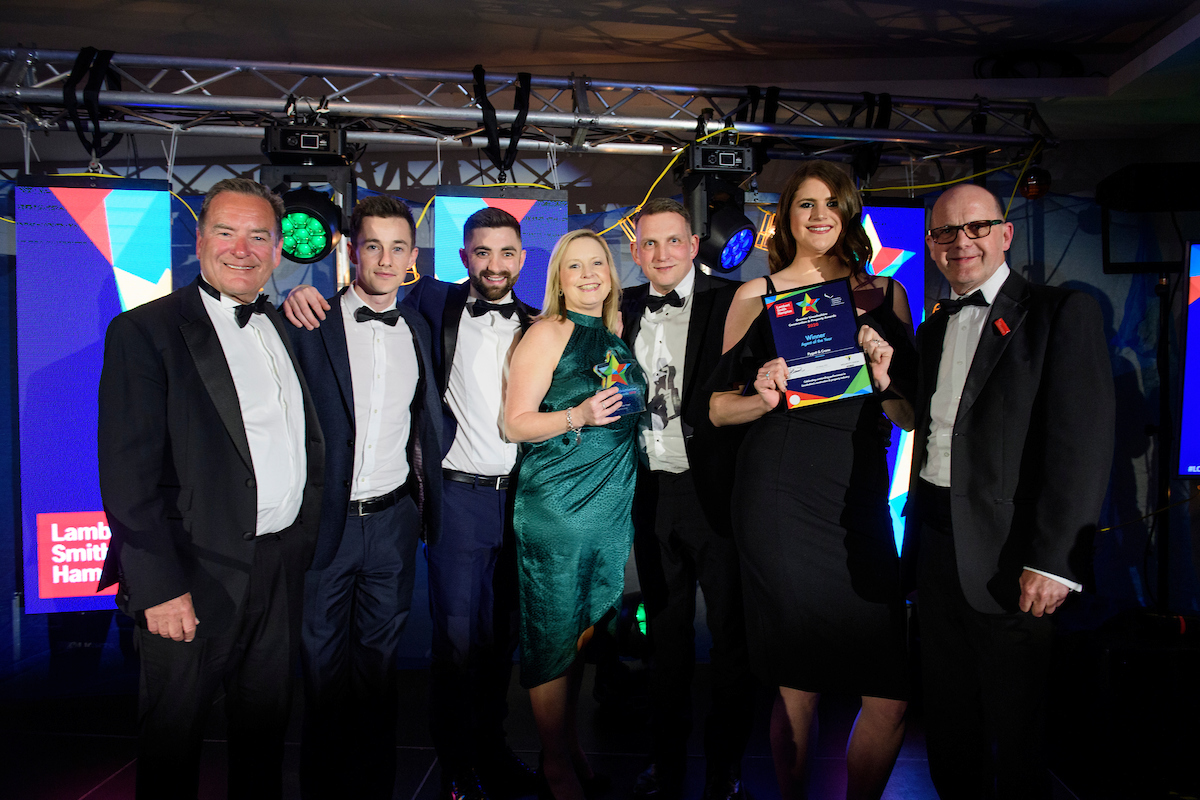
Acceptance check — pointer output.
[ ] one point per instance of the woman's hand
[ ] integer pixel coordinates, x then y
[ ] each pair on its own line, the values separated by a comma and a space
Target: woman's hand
598, 409
771, 382
879, 356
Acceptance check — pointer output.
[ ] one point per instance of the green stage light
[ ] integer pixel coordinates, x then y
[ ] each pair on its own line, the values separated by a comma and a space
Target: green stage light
309, 222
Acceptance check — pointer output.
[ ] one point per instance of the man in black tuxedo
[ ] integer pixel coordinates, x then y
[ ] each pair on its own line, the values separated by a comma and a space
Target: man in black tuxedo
683, 533
211, 462
472, 567
1013, 447
376, 396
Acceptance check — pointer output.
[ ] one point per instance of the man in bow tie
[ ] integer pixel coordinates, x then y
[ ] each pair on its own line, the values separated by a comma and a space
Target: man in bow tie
472, 567
683, 533
211, 462
375, 392
1013, 447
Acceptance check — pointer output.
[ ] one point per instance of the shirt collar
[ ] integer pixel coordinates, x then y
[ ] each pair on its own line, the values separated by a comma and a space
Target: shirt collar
683, 289
228, 303
508, 298
990, 287
352, 300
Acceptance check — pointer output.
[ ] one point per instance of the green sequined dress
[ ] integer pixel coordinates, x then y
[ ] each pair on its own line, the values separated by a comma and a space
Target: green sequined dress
573, 513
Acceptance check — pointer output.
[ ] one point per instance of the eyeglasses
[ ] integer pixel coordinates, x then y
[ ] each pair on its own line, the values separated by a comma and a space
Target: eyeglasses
974, 230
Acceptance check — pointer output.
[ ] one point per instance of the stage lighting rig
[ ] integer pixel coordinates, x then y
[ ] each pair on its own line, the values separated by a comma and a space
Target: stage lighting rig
302, 155
714, 197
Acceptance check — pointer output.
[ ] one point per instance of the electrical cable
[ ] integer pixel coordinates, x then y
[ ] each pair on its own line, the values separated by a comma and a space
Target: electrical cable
662, 175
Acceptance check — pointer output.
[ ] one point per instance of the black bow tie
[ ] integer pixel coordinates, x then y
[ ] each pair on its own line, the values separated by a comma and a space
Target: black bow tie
952, 307
481, 307
389, 317
654, 303
247, 310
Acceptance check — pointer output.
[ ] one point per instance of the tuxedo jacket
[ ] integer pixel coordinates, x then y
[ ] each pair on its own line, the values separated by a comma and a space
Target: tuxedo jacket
176, 476
442, 304
325, 359
1033, 440
711, 451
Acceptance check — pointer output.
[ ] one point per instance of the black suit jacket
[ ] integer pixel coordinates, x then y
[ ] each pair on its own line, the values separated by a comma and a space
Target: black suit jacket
1032, 444
441, 304
175, 471
711, 450
325, 360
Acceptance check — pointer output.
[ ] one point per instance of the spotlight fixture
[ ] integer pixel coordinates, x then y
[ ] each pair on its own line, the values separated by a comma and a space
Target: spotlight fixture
729, 241
1035, 184
715, 199
310, 221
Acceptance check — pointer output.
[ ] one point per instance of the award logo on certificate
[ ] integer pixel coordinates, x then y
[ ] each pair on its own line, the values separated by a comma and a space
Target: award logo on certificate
816, 333
612, 373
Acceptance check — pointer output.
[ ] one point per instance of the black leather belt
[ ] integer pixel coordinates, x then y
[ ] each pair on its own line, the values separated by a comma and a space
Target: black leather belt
497, 482
373, 505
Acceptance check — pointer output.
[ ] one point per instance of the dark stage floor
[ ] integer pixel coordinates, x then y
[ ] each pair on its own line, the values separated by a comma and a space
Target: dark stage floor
66, 736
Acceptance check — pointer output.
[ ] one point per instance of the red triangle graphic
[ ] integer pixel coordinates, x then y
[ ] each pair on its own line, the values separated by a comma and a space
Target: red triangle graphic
86, 207
518, 208
1193, 288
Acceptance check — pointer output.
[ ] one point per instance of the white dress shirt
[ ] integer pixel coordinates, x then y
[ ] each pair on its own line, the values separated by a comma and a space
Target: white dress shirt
963, 331
660, 348
272, 406
474, 393
383, 375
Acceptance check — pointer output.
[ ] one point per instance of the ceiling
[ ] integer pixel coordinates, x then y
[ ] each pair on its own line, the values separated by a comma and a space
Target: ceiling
1096, 68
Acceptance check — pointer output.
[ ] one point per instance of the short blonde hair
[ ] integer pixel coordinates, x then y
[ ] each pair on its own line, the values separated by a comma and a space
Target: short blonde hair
555, 306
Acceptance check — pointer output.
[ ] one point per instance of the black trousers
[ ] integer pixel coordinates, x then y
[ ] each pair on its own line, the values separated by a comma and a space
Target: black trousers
354, 612
473, 598
676, 549
253, 661
984, 678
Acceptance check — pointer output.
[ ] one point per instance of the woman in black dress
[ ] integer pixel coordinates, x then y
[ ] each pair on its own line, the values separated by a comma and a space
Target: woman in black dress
824, 607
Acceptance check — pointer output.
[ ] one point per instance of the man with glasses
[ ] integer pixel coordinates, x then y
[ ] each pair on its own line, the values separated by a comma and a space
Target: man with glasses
1014, 442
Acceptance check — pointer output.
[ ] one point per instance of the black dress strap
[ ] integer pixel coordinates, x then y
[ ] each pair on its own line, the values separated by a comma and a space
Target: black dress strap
770, 285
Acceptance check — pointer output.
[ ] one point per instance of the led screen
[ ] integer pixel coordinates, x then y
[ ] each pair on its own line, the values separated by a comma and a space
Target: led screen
87, 249
897, 236
543, 218
1189, 418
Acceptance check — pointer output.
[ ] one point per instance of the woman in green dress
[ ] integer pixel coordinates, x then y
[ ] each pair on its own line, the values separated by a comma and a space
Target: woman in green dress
574, 492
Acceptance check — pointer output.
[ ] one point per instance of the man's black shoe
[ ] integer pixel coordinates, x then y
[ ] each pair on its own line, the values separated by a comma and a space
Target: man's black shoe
505, 776
723, 784
653, 784
462, 786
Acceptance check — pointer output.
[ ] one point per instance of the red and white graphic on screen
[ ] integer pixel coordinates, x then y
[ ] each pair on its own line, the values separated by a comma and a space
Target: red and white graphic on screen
70, 552
784, 309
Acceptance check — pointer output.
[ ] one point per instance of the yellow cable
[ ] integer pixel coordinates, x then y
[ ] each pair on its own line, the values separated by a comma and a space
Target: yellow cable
1033, 150
185, 205
662, 175
423, 210
6, 219
534, 185
943, 183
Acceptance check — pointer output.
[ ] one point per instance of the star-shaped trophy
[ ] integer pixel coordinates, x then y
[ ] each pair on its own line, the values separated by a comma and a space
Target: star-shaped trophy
612, 373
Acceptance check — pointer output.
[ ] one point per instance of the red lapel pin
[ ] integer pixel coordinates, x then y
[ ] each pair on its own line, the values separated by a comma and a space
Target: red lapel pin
1001, 327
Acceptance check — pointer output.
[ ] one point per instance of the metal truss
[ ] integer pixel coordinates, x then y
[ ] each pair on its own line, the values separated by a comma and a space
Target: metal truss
430, 110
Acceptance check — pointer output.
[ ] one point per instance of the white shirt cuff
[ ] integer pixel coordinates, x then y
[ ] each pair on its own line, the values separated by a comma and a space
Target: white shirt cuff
1072, 585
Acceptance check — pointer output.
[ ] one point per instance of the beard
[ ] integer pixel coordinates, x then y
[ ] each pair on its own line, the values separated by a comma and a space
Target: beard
492, 291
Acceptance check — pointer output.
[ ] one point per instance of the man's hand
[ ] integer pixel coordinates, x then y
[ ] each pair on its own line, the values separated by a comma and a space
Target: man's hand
304, 307
1041, 595
174, 619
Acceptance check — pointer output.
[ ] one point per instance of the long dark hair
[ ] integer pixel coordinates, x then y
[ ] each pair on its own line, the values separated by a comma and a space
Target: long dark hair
853, 247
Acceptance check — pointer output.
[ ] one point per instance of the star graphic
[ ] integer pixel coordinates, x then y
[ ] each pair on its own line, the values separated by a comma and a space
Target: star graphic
612, 371
809, 306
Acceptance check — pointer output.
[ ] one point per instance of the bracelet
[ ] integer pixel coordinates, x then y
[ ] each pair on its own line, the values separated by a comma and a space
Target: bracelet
571, 427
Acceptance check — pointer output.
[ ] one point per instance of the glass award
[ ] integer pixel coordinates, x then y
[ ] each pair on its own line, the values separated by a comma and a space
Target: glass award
613, 373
